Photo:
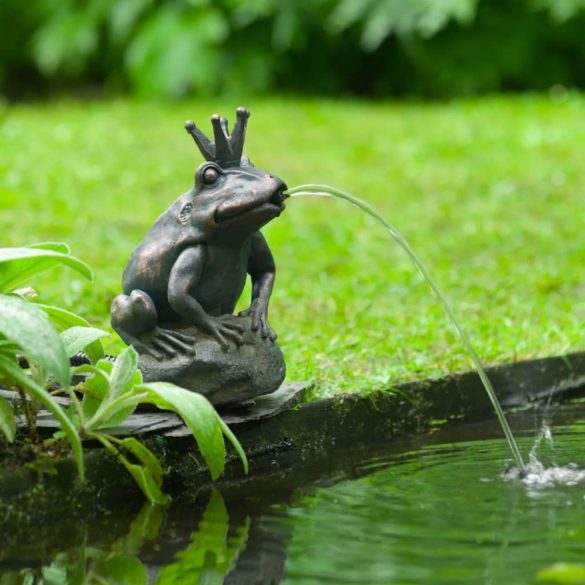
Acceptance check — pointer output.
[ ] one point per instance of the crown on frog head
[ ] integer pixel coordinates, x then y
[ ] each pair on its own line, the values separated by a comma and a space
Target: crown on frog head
227, 148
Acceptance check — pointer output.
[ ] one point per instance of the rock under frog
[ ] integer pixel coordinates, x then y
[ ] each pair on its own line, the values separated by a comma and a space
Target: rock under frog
183, 281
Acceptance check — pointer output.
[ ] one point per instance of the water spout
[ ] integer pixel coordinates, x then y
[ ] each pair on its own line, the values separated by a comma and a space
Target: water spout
326, 191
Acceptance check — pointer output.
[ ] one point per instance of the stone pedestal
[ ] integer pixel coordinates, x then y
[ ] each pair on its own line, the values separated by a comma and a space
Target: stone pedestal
237, 374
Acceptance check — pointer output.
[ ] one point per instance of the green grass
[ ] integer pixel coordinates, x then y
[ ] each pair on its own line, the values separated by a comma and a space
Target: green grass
490, 193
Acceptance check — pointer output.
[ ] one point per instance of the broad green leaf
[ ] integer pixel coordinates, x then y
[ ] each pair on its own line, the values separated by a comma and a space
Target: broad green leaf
94, 388
8, 348
114, 413
145, 482
97, 381
119, 570
10, 369
18, 265
117, 405
63, 319
563, 574
77, 338
234, 441
7, 420
96, 385
99, 411
105, 366
144, 455
60, 247
124, 369
27, 326
199, 416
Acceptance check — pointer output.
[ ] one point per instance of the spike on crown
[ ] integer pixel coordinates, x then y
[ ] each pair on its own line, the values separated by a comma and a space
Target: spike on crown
226, 149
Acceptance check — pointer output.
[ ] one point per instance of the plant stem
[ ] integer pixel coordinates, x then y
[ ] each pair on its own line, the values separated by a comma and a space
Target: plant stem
30, 418
101, 437
77, 406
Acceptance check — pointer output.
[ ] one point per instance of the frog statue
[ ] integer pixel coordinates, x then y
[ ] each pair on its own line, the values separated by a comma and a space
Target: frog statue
182, 283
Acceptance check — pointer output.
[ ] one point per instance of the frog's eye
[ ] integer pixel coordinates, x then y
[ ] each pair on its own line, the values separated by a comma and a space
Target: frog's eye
210, 175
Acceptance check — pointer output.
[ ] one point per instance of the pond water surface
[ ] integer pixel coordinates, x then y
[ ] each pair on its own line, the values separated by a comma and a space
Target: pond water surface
433, 509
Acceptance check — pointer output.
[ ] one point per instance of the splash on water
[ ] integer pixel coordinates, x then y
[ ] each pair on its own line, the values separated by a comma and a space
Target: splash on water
537, 475
544, 436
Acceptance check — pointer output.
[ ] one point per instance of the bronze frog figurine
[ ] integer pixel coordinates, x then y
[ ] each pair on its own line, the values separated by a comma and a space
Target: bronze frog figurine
182, 283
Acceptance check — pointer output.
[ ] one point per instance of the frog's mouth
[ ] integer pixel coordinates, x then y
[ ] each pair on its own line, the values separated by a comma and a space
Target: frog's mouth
272, 206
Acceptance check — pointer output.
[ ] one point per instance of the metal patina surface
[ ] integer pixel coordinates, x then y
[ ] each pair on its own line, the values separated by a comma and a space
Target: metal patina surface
182, 283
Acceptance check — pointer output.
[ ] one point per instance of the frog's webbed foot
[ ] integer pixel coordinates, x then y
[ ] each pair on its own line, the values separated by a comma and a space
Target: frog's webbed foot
223, 329
259, 315
164, 344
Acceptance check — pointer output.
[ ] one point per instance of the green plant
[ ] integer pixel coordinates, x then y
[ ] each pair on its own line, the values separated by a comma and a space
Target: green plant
26, 329
48, 336
112, 391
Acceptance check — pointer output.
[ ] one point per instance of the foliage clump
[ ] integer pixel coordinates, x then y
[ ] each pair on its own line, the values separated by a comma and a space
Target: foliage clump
387, 47
44, 338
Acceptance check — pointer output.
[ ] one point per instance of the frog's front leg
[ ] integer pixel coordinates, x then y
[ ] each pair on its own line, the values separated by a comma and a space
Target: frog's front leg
184, 278
262, 272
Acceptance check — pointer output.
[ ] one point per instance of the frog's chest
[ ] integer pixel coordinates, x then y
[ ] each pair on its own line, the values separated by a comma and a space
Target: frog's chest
223, 278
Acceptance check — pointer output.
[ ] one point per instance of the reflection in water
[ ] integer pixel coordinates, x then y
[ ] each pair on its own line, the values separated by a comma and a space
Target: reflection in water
206, 561
87, 565
84, 566
212, 552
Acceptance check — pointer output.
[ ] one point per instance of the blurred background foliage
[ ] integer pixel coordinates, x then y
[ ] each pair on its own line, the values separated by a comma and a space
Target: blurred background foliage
374, 48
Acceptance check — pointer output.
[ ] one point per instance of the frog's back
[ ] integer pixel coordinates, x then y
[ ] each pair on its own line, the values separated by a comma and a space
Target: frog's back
149, 266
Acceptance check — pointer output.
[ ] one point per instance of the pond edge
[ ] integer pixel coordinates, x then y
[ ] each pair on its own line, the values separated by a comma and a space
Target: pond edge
46, 488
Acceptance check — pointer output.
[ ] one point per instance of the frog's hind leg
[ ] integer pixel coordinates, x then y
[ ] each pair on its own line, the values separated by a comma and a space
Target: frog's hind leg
133, 315
134, 318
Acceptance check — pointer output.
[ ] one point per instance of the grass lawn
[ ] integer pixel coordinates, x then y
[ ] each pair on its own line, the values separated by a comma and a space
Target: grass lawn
490, 193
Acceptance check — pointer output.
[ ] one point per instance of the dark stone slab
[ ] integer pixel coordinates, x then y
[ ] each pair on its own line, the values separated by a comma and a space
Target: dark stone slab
168, 423
14, 398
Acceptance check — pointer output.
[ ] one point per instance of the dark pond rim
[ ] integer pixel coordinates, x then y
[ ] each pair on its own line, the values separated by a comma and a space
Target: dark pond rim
47, 489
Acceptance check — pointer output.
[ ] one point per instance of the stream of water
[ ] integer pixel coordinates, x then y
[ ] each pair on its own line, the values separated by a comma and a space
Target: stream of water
327, 191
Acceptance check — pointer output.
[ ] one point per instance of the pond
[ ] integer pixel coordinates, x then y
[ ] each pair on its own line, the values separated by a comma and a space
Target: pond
429, 509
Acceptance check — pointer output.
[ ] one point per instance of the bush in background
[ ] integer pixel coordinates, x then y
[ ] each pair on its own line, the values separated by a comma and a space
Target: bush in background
175, 48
